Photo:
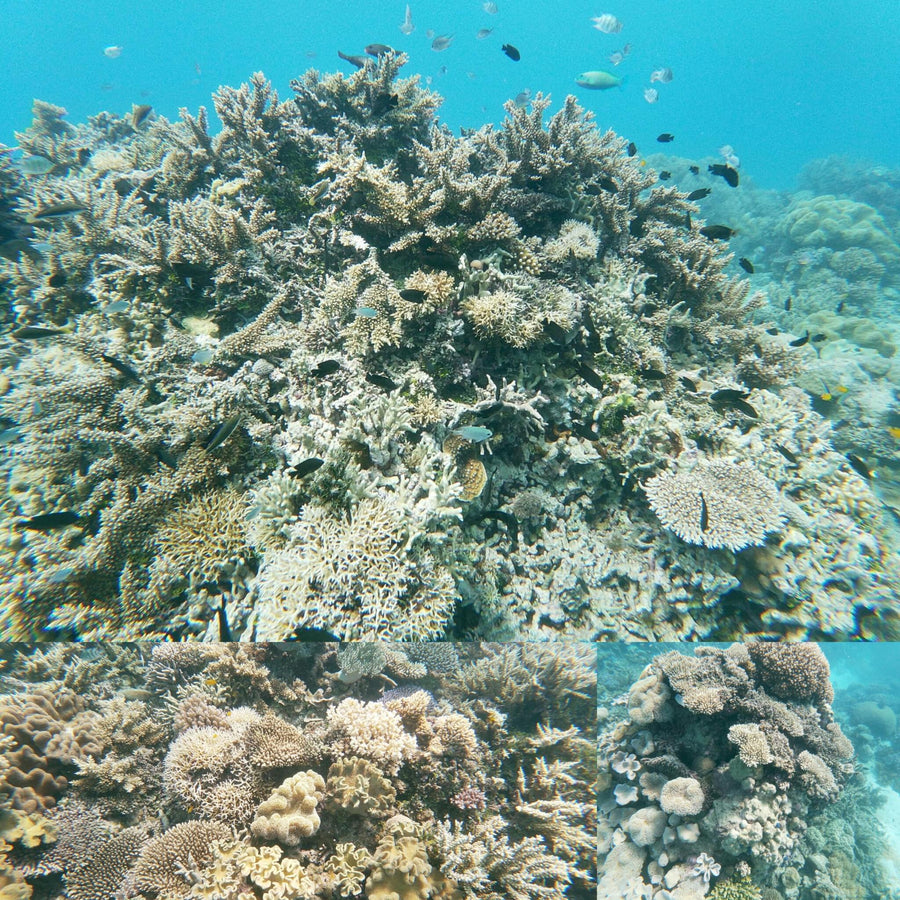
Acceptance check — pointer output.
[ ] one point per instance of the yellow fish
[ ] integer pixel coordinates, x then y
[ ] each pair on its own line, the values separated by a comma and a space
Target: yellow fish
841, 389
826, 396
894, 432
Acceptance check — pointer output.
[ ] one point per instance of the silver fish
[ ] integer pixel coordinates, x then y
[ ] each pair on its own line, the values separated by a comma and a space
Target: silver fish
113, 52
490, 8
607, 23
651, 95
407, 27
36, 165
523, 98
482, 33
663, 75
442, 42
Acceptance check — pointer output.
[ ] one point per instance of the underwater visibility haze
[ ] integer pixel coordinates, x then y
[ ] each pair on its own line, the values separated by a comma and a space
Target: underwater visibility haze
451, 321
748, 772
297, 771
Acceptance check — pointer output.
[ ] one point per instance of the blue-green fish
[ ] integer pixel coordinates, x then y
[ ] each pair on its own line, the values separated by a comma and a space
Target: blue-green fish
366, 312
475, 433
597, 81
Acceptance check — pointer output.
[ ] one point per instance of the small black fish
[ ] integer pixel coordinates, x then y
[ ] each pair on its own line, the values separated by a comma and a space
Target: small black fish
57, 279
694, 170
652, 374
787, 304
437, 256
704, 513
313, 635
139, 114
30, 332
508, 519
859, 466
224, 630
744, 407
556, 332
381, 381
718, 232
746, 265
688, 383
511, 52
360, 451
728, 395
378, 49
840, 307
772, 331
121, 368
607, 184
49, 521
590, 376
381, 103
58, 210
800, 341
631, 149
687, 221
787, 454
413, 295
699, 194
665, 137
665, 175
223, 432
727, 172
199, 275
83, 156
584, 431
165, 456
358, 61
818, 338
326, 367
307, 467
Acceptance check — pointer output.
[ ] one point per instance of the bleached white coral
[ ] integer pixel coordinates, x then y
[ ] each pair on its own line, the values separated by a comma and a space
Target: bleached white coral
371, 731
717, 504
354, 576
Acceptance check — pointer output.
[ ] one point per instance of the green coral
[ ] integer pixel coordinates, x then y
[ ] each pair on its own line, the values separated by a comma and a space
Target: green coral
735, 889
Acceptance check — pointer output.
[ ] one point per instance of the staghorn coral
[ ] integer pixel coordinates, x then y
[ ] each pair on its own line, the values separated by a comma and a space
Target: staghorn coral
334, 562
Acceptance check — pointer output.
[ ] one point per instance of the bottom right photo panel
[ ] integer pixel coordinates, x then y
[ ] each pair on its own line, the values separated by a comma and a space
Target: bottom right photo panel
756, 771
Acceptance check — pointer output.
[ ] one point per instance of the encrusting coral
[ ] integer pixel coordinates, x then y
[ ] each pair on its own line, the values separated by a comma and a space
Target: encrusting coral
267, 334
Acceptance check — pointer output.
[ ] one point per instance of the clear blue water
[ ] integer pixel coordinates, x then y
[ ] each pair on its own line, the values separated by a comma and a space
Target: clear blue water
781, 83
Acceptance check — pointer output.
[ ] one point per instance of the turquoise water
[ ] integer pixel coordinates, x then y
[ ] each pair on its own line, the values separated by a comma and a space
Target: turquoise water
781, 84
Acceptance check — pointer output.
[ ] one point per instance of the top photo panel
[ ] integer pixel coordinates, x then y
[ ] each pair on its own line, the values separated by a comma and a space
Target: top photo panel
456, 324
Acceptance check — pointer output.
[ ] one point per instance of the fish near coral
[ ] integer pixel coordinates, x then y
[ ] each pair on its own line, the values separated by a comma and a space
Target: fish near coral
597, 80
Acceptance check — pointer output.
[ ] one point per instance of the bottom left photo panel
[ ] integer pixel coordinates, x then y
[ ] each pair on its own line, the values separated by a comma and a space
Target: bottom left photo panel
298, 770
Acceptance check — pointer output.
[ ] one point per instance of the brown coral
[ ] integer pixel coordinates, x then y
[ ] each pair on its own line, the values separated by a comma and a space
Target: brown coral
793, 671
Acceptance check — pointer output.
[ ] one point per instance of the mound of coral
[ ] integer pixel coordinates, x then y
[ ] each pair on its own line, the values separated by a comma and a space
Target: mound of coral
339, 369
728, 777
218, 772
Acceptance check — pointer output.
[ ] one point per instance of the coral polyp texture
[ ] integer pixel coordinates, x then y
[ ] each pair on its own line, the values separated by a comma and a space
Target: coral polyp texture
723, 773
333, 367
305, 770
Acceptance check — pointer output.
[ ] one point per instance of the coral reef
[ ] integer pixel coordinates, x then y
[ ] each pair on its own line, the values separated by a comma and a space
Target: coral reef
236, 771
717, 773
267, 346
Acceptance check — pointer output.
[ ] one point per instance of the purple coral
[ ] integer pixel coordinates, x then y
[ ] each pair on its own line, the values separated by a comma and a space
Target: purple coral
469, 798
